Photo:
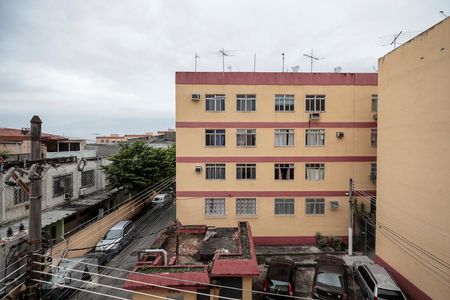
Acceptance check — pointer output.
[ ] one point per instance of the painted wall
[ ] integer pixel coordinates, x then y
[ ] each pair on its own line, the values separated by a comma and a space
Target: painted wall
348, 110
414, 163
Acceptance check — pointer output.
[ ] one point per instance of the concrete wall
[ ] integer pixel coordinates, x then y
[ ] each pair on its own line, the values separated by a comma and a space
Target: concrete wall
348, 110
414, 163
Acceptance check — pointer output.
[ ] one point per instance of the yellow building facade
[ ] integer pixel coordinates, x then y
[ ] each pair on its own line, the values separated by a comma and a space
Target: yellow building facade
413, 202
274, 149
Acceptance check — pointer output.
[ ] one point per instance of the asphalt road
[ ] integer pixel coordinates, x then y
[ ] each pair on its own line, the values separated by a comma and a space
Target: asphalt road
157, 219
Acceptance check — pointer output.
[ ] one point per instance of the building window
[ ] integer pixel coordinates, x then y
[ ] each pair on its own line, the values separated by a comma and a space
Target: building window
284, 206
373, 172
215, 171
314, 171
20, 196
284, 103
315, 137
315, 103
62, 185
315, 206
245, 206
374, 103
284, 171
245, 102
214, 207
246, 137
215, 102
215, 137
373, 138
284, 137
246, 171
87, 178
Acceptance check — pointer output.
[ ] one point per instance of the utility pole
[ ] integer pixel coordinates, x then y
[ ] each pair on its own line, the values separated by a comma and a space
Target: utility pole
35, 227
350, 217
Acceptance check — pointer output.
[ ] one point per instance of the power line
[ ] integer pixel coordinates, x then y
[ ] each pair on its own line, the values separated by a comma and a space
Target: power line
20, 259
19, 285
18, 269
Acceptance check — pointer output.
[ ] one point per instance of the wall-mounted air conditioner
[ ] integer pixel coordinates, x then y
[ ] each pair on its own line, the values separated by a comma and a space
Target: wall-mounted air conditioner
198, 169
195, 97
67, 196
334, 204
314, 116
339, 134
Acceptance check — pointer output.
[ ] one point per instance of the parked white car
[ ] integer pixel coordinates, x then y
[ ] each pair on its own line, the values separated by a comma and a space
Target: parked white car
116, 237
160, 199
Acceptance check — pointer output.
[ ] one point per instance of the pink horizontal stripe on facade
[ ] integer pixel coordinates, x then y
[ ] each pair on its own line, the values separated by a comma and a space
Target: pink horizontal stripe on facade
231, 159
264, 193
275, 78
276, 124
289, 240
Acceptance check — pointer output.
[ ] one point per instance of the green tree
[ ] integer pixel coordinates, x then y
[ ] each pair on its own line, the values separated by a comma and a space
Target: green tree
137, 166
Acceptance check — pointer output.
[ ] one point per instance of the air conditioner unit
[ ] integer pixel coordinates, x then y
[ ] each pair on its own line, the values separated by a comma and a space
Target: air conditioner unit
375, 116
195, 97
334, 204
67, 196
198, 169
82, 192
339, 134
314, 116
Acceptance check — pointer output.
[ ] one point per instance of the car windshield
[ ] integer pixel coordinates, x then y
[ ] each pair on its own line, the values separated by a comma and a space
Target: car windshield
276, 285
113, 234
390, 295
331, 279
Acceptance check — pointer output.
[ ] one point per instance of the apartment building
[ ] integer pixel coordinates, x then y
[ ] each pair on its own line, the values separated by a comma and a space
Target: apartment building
274, 149
413, 204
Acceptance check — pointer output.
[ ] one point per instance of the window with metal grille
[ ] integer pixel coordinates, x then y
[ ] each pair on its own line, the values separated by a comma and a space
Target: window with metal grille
87, 178
245, 102
245, 171
20, 196
62, 185
215, 137
373, 172
374, 103
284, 171
246, 206
315, 137
246, 137
373, 138
215, 171
284, 103
284, 206
315, 206
314, 171
214, 207
315, 103
215, 102
284, 137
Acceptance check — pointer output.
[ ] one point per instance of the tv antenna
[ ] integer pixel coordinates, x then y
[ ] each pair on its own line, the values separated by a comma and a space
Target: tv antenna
254, 63
224, 53
196, 57
394, 41
295, 69
443, 13
282, 64
312, 58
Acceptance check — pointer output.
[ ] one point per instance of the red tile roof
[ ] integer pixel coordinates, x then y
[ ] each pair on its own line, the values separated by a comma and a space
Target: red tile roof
276, 78
12, 134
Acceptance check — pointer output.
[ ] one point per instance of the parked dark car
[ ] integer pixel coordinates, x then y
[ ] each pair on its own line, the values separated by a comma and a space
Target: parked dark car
376, 283
280, 279
330, 279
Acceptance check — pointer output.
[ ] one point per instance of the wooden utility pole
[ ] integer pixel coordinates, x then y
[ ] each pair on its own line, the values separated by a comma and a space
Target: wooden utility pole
35, 227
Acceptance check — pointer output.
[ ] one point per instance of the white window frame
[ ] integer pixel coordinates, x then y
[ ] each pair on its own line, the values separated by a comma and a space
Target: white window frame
314, 206
285, 103
215, 102
215, 172
284, 206
215, 207
315, 135
284, 137
245, 206
245, 137
278, 170
214, 136
247, 170
245, 102
314, 171
314, 103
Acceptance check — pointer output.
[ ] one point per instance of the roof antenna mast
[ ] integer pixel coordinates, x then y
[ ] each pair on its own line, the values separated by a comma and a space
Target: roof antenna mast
196, 57
312, 58
282, 64
394, 42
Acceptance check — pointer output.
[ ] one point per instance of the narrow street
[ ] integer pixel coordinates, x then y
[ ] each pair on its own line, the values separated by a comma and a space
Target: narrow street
154, 221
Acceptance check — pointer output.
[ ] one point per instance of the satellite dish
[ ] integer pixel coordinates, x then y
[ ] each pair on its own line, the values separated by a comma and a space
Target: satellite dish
337, 70
295, 69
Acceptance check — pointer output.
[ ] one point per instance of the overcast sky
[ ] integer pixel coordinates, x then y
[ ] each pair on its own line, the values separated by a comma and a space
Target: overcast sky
89, 67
